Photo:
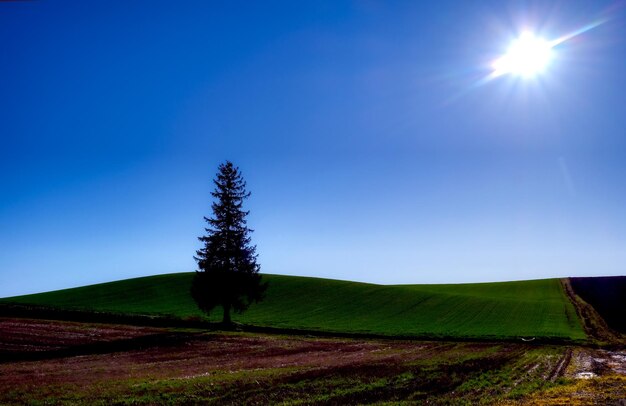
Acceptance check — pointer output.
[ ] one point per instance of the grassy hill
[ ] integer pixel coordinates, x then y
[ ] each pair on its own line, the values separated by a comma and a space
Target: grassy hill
536, 308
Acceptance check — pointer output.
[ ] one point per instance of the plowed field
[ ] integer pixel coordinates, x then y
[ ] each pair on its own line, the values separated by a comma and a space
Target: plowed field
108, 364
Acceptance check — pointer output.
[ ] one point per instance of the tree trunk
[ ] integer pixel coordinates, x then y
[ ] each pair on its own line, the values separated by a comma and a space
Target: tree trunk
226, 320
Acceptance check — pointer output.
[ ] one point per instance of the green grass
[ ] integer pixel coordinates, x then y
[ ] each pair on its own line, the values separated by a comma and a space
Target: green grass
537, 308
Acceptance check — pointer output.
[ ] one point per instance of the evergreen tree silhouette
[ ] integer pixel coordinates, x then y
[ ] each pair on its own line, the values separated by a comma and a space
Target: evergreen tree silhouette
228, 272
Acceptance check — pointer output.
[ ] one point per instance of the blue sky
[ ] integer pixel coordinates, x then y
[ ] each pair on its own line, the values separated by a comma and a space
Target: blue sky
372, 151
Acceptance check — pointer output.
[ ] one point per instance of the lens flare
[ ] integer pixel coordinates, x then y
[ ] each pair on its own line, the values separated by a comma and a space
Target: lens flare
526, 57
529, 55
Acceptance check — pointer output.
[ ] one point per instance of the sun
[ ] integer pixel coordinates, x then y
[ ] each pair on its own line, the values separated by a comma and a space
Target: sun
527, 56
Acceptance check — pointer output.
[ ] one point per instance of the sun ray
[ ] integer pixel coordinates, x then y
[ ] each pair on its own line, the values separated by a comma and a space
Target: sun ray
529, 55
498, 67
576, 33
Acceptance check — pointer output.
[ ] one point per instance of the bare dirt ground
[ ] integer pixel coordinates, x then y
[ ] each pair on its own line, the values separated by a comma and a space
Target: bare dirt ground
587, 363
18, 335
593, 377
80, 363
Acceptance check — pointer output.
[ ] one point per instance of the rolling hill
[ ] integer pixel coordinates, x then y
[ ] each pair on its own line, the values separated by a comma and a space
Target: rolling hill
537, 308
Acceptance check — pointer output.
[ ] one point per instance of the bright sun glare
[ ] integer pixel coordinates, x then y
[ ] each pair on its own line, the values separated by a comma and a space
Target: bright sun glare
527, 56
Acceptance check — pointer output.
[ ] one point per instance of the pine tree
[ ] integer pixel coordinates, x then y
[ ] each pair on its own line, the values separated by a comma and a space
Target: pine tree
228, 273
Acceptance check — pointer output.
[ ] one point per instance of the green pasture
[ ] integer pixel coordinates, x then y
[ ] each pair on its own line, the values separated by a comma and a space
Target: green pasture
537, 308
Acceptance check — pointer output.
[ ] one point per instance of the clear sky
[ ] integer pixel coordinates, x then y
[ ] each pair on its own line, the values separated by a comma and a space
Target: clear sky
374, 147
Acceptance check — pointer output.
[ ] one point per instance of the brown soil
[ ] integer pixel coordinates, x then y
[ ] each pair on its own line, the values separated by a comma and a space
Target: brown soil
98, 363
18, 335
196, 355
